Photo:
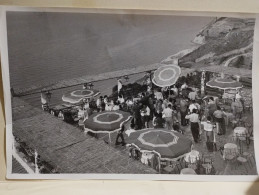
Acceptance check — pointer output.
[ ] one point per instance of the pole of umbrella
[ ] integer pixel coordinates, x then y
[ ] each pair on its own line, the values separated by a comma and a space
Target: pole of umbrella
150, 78
159, 165
36, 162
110, 141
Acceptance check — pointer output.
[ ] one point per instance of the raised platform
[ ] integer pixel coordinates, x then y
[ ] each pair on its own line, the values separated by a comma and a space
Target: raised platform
66, 148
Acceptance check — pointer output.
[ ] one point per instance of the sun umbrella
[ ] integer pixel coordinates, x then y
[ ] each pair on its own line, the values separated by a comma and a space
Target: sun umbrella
106, 121
224, 83
78, 95
167, 144
166, 75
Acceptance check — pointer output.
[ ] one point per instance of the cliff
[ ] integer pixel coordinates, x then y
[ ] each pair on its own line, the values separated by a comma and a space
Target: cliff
224, 41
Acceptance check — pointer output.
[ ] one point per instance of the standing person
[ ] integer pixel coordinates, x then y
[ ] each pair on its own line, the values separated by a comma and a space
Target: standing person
165, 103
168, 116
159, 106
158, 95
105, 99
183, 111
98, 103
237, 108
193, 95
174, 104
175, 90
120, 135
87, 108
45, 99
184, 89
195, 127
103, 104
92, 106
208, 130
149, 90
193, 106
238, 96
121, 101
211, 107
145, 114
136, 115
158, 121
108, 106
219, 119
129, 104
151, 106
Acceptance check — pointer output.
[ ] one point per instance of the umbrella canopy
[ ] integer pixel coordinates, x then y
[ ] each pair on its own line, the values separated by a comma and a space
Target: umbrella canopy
106, 121
167, 144
224, 83
78, 95
166, 75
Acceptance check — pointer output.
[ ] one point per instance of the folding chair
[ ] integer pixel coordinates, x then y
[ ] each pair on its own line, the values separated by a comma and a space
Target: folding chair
242, 161
249, 157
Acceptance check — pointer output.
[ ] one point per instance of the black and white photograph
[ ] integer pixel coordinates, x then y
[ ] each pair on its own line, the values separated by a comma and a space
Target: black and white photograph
123, 93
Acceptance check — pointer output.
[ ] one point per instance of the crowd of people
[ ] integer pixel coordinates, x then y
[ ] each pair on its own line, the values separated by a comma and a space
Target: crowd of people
172, 108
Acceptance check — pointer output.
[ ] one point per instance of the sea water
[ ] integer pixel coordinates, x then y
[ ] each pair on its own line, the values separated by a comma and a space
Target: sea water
48, 47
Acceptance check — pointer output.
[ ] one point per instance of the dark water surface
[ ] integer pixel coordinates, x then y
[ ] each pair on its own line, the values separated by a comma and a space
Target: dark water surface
48, 47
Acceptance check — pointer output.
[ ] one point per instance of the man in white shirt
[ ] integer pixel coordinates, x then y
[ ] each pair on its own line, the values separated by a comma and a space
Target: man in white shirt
168, 116
184, 86
121, 99
145, 114
108, 106
192, 107
195, 127
192, 95
208, 129
158, 95
175, 90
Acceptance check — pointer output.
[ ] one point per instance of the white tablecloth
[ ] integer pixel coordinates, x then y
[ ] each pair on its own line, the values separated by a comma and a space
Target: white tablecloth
240, 131
145, 157
230, 149
188, 171
192, 157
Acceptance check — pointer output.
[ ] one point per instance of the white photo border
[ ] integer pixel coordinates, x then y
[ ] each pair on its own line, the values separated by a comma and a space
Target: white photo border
8, 108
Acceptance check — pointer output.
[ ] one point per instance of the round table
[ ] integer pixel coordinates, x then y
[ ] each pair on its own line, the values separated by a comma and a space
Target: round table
145, 157
192, 157
188, 171
241, 134
230, 149
240, 131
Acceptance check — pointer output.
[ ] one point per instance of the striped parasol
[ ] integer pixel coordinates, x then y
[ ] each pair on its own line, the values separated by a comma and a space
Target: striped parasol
166, 75
106, 121
224, 83
78, 95
167, 144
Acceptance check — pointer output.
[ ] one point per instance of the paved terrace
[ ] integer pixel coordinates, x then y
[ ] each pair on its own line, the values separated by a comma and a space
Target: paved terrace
66, 147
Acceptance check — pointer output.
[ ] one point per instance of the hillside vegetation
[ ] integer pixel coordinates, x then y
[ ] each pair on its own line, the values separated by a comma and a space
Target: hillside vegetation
225, 41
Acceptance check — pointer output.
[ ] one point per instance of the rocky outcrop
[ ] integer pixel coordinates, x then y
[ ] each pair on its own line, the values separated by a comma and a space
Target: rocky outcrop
221, 40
